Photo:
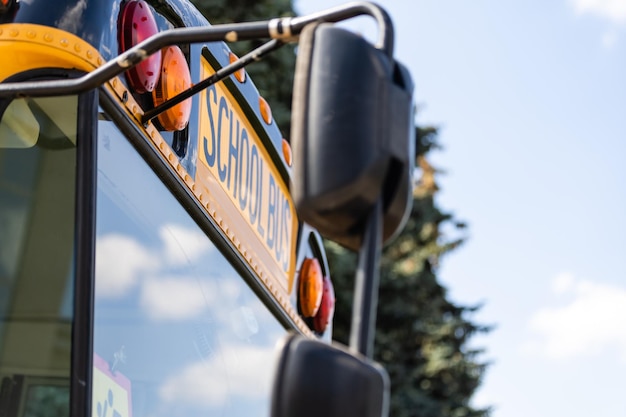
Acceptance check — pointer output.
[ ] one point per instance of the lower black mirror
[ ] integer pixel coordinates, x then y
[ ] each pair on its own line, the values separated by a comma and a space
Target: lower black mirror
315, 379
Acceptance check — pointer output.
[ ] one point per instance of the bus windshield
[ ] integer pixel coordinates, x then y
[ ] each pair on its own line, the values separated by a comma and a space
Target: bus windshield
175, 325
37, 173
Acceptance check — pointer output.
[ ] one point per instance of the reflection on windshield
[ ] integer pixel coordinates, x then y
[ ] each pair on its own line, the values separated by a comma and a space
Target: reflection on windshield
172, 318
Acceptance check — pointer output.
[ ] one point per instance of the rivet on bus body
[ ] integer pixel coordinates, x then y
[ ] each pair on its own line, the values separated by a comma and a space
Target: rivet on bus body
64, 42
90, 54
14, 32
31, 34
78, 48
48, 37
100, 60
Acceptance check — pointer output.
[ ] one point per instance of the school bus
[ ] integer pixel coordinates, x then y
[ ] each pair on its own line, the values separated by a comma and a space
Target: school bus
152, 254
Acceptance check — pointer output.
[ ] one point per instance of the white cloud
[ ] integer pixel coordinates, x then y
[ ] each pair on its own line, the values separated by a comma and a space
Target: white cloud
562, 283
120, 262
183, 245
175, 298
214, 382
609, 39
591, 322
613, 10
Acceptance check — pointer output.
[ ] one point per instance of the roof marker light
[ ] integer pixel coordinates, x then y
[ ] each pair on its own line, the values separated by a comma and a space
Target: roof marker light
136, 24
240, 74
287, 154
310, 287
266, 111
175, 78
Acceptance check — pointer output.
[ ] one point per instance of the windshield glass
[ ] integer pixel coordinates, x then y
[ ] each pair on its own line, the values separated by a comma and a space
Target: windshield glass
37, 173
177, 330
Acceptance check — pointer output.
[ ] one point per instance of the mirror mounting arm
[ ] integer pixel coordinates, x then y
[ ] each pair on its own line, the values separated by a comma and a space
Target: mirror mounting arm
363, 326
385, 40
284, 29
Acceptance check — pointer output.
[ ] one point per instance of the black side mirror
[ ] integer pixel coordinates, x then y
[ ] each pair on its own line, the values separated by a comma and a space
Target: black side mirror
315, 379
352, 134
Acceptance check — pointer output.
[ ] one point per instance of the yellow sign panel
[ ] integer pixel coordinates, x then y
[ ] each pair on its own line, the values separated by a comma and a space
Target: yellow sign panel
111, 392
233, 156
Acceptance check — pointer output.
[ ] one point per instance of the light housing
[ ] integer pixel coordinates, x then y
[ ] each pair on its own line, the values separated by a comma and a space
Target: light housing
5, 6
175, 78
136, 24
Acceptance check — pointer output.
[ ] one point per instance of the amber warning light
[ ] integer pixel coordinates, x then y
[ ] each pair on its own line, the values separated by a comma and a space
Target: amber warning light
175, 78
316, 296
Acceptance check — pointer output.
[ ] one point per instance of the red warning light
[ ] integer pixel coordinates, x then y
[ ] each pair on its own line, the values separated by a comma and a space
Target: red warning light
327, 308
5, 6
137, 24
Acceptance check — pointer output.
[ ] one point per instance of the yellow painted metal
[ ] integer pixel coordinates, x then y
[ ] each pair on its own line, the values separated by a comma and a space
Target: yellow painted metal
25, 47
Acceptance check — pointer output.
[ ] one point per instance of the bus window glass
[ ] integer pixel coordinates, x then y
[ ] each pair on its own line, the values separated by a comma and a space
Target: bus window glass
177, 331
37, 182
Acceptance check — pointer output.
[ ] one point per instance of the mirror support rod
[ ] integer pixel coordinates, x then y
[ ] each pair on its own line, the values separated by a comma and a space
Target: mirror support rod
284, 29
363, 325
255, 55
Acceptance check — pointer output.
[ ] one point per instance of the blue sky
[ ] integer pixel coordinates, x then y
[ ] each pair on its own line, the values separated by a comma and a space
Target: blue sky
530, 97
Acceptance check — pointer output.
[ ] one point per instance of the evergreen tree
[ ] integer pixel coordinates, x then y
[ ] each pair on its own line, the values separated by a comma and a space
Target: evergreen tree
421, 337
273, 75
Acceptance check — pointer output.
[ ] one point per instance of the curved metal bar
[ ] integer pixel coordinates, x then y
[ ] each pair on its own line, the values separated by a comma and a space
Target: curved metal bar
347, 11
282, 29
132, 57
